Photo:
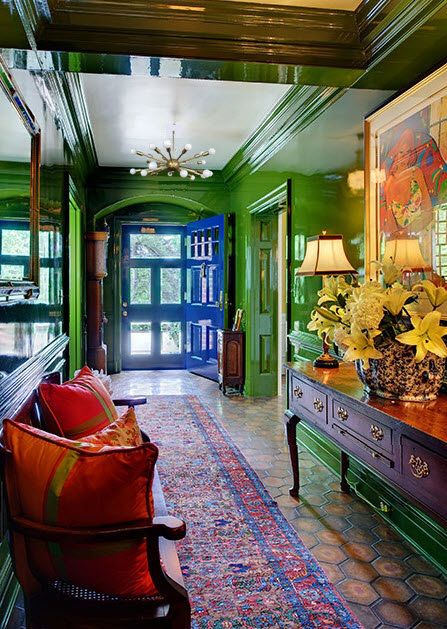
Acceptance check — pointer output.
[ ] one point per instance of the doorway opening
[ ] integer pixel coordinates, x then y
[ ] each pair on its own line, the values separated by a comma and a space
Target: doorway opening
175, 294
153, 286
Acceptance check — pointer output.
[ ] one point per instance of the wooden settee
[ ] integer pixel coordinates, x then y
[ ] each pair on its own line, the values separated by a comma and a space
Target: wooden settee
61, 605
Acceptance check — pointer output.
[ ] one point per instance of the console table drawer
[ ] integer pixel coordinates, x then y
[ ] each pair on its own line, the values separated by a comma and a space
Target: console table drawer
357, 446
426, 471
303, 395
374, 432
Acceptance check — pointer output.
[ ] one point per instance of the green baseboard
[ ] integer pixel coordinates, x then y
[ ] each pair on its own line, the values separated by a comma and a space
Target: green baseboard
425, 534
9, 588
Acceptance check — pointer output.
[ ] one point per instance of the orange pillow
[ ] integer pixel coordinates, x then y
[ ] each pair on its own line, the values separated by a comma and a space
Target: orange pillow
123, 432
77, 408
62, 483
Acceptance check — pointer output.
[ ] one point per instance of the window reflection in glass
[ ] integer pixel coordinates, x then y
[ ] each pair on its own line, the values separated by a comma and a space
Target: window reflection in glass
155, 246
170, 285
171, 337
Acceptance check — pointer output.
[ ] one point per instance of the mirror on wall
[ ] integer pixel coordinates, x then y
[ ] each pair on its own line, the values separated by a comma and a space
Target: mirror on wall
19, 194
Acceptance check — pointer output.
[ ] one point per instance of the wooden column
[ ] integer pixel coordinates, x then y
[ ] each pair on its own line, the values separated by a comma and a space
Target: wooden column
96, 243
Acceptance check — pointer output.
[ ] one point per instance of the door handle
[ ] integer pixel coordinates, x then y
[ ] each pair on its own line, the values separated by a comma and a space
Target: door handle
124, 313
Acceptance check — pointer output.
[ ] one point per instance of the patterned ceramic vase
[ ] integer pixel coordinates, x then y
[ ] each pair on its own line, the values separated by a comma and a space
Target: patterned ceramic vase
398, 376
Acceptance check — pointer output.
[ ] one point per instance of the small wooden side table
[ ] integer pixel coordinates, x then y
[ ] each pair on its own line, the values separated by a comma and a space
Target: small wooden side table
230, 359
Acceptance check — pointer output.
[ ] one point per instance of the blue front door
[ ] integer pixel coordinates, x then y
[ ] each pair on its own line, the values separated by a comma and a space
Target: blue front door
152, 308
206, 296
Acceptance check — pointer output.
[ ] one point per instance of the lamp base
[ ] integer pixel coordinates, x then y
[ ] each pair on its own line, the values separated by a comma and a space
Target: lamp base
326, 361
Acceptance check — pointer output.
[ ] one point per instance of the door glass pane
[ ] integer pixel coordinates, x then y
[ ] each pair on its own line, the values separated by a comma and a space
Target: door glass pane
15, 242
141, 338
12, 272
140, 286
155, 246
171, 285
171, 337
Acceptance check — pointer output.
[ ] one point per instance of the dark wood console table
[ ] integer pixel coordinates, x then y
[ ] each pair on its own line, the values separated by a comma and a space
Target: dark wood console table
404, 442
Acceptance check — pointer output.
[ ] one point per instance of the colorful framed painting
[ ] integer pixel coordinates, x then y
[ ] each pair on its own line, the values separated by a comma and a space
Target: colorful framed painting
406, 175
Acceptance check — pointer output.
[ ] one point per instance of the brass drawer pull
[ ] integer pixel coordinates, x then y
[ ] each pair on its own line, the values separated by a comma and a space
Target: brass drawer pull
342, 414
375, 455
419, 468
298, 392
318, 405
376, 433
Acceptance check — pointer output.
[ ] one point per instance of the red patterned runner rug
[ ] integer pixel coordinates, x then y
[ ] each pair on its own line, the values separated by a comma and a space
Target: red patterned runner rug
244, 564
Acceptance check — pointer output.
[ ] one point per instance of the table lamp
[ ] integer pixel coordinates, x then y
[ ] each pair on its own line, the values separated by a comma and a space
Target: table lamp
325, 255
406, 253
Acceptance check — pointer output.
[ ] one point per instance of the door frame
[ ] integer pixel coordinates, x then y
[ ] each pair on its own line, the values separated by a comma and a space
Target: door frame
158, 360
266, 209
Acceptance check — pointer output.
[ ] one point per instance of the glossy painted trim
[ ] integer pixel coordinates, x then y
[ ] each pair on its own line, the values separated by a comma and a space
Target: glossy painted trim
274, 201
298, 108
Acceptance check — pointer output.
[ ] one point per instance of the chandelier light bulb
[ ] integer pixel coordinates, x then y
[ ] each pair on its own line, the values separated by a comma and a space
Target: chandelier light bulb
170, 173
207, 173
183, 173
188, 147
167, 144
212, 151
144, 173
152, 146
132, 171
192, 177
133, 151
152, 165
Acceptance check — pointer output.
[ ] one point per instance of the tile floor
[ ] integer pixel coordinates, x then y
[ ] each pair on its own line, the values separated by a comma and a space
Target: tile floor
385, 581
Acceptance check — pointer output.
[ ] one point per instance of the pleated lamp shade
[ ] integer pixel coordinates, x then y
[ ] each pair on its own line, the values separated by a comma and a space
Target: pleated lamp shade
325, 255
405, 252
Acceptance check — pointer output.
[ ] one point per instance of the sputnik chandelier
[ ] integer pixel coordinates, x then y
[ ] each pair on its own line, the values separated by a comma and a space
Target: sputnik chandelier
161, 162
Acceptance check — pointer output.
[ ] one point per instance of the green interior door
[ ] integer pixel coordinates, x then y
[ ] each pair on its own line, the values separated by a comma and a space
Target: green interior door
264, 320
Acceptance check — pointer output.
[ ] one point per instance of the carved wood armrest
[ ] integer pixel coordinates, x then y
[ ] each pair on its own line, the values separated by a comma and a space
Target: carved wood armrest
130, 401
169, 527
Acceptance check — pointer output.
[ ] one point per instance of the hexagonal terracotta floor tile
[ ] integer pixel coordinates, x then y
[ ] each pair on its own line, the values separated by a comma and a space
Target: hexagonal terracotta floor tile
394, 614
391, 567
393, 589
362, 552
329, 553
397, 550
362, 536
428, 586
359, 570
331, 537
333, 572
430, 610
357, 591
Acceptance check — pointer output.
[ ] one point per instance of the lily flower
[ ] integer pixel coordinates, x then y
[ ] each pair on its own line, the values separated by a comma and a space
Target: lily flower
426, 336
437, 295
361, 346
391, 273
396, 298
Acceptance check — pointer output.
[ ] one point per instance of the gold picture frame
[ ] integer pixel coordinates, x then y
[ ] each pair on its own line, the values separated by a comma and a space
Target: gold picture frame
406, 174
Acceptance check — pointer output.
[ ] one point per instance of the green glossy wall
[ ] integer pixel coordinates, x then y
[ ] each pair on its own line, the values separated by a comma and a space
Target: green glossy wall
318, 161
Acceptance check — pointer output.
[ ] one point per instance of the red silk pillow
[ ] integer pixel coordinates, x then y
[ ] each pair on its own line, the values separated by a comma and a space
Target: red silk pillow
77, 408
123, 432
63, 483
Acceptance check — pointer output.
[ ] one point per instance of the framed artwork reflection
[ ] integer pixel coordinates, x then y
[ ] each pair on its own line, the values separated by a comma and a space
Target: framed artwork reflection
406, 175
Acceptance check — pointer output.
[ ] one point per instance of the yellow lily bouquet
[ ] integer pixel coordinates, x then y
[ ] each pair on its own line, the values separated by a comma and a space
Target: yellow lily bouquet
369, 321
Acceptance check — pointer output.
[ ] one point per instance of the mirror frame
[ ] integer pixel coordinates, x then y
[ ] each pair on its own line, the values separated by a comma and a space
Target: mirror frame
18, 290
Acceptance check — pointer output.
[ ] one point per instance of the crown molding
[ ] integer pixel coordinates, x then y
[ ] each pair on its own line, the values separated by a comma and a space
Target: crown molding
299, 107
384, 24
64, 95
207, 29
